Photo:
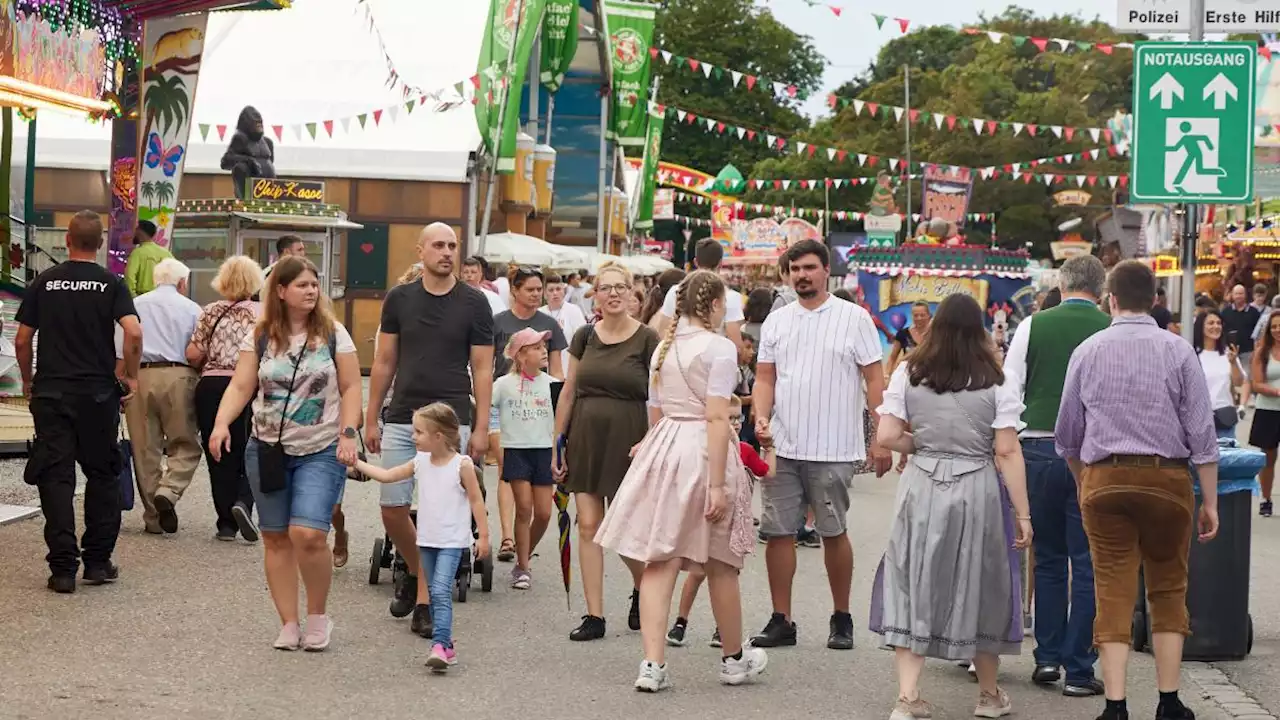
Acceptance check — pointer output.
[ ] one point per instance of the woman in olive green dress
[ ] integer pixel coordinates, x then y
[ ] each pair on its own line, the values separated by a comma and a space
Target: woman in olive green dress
603, 412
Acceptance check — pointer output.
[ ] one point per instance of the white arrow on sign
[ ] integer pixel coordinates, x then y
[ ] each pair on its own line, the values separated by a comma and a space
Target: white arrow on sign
1219, 88
1166, 88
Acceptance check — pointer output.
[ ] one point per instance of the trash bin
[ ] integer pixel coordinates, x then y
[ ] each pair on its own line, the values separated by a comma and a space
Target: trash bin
1218, 571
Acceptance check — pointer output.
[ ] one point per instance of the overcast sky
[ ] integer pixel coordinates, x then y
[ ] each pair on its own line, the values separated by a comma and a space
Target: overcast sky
850, 42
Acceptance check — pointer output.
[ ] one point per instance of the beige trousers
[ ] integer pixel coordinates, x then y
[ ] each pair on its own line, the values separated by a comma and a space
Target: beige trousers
162, 424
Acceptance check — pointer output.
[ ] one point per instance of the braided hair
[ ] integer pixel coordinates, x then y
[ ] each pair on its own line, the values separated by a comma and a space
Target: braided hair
694, 299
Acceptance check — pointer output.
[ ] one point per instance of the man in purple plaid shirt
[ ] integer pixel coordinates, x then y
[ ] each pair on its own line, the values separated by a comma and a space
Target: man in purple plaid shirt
1135, 414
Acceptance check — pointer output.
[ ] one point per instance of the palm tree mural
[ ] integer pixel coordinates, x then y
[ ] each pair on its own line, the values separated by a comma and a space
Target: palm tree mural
148, 191
164, 193
167, 103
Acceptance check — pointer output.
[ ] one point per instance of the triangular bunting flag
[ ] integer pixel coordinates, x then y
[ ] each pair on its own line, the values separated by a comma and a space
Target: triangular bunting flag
751, 82
831, 153
394, 112
1040, 43
879, 20
693, 64
1068, 132
346, 125
737, 77
872, 108
913, 115
994, 36
362, 117
1094, 133
204, 131
666, 57
1057, 130
938, 120
977, 125
328, 127
279, 132
706, 70
222, 131
377, 117
897, 113
902, 24
836, 9
311, 130
857, 106
1017, 128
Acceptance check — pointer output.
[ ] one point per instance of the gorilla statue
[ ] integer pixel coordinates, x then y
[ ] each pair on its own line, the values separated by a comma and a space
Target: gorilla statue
251, 153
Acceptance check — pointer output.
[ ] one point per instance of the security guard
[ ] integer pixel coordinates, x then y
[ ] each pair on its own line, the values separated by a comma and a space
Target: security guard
75, 400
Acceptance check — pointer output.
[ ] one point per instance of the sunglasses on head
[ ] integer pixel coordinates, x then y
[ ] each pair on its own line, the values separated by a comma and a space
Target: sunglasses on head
528, 271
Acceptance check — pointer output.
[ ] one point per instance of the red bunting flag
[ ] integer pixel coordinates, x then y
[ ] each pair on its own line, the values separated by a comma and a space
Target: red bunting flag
1264, 51
1031, 130
1069, 132
222, 131
842, 155
873, 107
693, 64
951, 122
279, 132
751, 82
831, 101
792, 91
914, 115
751, 134
1040, 43
720, 128
836, 10
475, 81
377, 117
1104, 47
991, 127
903, 23
328, 127
653, 52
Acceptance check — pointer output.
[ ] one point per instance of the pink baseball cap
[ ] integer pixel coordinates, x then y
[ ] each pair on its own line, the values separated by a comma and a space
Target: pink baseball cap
523, 339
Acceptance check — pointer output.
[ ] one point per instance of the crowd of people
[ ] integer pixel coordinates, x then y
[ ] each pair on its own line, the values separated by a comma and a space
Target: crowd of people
663, 406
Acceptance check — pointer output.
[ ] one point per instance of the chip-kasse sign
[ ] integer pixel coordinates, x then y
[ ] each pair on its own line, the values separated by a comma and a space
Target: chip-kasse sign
309, 191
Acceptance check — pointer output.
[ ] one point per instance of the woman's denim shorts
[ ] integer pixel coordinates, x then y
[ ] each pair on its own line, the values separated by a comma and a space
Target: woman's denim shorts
313, 485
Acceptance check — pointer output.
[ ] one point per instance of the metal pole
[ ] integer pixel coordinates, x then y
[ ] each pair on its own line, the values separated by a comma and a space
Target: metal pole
613, 177
535, 62
906, 73
6, 173
826, 205
604, 162
1191, 218
551, 111
503, 95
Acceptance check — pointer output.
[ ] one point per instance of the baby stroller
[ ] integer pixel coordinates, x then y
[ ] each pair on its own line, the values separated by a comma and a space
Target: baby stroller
386, 556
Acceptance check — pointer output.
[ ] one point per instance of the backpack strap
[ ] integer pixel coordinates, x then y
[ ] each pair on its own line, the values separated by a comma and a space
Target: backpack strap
333, 347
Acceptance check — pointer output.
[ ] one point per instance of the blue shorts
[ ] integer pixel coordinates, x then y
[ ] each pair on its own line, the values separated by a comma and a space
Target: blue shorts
533, 466
398, 449
313, 484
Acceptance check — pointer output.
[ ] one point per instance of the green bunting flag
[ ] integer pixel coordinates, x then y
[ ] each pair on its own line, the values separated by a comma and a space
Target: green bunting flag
630, 37
311, 130
510, 21
559, 42
204, 132
649, 168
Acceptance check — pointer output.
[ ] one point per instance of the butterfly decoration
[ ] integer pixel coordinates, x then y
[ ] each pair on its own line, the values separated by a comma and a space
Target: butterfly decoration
158, 156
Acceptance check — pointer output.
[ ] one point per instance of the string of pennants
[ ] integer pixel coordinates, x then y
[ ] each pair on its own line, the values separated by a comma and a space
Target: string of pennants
802, 211
443, 100
1048, 178
780, 143
1042, 44
980, 126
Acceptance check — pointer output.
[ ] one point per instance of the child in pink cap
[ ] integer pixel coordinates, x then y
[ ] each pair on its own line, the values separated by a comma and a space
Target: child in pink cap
522, 398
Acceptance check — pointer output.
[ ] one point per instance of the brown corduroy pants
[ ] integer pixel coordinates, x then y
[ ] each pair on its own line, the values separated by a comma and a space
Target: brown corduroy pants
1138, 509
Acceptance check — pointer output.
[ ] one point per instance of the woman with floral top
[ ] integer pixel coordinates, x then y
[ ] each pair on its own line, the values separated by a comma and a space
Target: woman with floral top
214, 350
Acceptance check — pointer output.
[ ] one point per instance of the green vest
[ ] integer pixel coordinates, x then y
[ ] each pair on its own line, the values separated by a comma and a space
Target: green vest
1055, 334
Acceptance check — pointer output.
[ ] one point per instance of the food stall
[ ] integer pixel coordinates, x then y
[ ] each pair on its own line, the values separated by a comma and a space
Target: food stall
891, 279
209, 231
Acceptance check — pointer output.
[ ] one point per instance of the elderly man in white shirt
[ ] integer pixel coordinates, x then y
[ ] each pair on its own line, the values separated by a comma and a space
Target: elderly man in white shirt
161, 416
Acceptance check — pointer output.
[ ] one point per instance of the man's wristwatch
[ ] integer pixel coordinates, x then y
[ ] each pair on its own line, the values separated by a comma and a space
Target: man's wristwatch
349, 433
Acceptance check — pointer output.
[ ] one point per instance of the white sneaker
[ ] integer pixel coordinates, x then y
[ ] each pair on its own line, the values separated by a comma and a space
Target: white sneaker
736, 672
652, 678
993, 706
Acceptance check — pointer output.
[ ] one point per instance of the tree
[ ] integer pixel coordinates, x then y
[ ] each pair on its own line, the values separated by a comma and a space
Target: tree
148, 191
730, 34
166, 102
164, 193
970, 76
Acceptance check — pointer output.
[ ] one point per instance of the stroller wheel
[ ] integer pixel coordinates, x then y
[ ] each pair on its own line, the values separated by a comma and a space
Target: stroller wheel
460, 587
484, 566
375, 562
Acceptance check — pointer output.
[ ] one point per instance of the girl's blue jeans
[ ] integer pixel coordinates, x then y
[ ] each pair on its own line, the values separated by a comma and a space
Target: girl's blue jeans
440, 567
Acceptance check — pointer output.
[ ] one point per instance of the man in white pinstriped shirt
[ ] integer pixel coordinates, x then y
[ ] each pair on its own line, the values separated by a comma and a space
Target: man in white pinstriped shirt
815, 355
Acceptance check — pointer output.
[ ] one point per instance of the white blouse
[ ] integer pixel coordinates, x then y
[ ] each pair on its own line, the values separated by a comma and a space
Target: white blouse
720, 357
1009, 405
1217, 373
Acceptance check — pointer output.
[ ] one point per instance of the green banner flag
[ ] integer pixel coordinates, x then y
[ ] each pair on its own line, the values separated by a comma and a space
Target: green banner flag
630, 37
509, 20
649, 168
559, 42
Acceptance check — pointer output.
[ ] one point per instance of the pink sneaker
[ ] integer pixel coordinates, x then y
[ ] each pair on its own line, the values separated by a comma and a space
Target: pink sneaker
289, 638
442, 658
319, 632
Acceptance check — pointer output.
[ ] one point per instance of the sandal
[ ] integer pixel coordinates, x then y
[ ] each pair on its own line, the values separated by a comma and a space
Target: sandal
340, 554
507, 550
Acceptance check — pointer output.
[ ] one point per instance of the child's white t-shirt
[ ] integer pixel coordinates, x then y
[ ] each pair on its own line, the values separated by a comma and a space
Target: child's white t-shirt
524, 411
444, 513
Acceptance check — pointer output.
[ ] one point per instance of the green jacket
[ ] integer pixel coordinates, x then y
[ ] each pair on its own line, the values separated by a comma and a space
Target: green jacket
138, 273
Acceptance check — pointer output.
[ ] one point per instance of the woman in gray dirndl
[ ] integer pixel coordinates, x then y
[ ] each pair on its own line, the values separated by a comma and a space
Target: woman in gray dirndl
948, 586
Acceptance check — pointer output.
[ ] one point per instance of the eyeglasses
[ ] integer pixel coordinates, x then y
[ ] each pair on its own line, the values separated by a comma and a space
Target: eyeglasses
618, 289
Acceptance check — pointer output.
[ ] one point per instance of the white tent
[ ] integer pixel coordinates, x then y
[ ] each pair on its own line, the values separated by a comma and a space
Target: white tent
529, 250
314, 62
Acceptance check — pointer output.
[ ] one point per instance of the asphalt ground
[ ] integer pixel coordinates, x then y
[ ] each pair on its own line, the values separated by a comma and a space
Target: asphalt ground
187, 632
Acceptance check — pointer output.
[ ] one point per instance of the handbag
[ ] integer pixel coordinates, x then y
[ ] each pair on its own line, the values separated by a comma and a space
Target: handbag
125, 475
1225, 418
272, 457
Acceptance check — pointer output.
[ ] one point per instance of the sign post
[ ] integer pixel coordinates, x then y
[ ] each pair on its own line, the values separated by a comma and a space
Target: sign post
1193, 120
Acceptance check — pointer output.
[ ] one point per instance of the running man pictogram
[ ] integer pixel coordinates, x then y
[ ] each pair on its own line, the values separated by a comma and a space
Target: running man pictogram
1194, 159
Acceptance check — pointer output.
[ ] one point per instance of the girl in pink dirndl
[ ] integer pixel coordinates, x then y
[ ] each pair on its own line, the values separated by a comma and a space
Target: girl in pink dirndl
685, 503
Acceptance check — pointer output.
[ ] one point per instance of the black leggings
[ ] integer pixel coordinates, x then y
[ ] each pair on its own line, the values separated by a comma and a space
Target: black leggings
227, 478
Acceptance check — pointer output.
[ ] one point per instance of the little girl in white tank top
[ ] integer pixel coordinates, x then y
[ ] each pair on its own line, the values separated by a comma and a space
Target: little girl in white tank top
448, 491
